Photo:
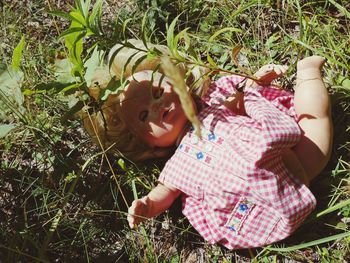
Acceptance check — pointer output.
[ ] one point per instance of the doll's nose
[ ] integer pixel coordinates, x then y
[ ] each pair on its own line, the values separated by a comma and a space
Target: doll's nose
156, 106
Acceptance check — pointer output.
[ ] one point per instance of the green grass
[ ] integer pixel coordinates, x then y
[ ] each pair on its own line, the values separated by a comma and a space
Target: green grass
62, 199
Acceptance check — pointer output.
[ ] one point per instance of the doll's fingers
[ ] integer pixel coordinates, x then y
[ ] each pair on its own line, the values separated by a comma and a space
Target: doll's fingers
134, 209
136, 212
131, 221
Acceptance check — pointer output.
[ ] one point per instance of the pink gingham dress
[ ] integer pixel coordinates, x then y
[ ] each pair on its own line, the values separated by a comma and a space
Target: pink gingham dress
236, 189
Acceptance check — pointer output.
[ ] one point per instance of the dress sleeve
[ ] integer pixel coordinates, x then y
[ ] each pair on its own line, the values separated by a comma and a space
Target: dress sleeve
278, 129
221, 89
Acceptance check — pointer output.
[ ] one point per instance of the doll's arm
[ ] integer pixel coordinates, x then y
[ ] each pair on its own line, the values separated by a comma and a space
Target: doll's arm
156, 202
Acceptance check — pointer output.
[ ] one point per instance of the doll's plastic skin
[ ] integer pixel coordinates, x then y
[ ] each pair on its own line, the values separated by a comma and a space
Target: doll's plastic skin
152, 110
296, 160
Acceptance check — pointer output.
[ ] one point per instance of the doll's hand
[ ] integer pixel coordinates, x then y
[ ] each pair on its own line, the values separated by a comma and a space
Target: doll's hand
138, 211
266, 74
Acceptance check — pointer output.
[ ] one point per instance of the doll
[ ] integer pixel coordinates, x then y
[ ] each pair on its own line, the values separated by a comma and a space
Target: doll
245, 182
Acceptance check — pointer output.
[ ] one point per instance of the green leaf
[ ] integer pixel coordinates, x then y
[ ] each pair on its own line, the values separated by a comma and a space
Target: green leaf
170, 35
115, 53
211, 61
334, 208
6, 129
11, 97
179, 36
143, 28
310, 244
341, 8
17, 54
113, 86
57, 86
74, 44
345, 82
223, 30
77, 51
128, 62
95, 60
78, 17
121, 164
60, 14
83, 7
72, 30
137, 62
125, 25
72, 111
63, 71
95, 17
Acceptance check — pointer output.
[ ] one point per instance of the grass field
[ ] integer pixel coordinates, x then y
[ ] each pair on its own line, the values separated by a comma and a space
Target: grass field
62, 199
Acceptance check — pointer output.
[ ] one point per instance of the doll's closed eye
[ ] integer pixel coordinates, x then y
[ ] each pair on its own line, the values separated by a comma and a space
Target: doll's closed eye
143, 115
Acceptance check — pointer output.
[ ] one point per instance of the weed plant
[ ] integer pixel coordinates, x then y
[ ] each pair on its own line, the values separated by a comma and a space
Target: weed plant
63, 199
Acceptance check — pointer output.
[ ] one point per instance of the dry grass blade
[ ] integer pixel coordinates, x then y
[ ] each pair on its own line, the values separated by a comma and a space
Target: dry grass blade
180, 88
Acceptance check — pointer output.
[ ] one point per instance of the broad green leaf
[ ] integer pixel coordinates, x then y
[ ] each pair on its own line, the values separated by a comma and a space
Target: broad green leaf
74, 44
6, 129
95, 60
223, 30
78, 17
11, 97
17, 54
77, 51
63, 71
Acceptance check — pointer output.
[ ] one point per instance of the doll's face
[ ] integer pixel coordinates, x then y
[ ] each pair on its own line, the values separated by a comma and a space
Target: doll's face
152, 109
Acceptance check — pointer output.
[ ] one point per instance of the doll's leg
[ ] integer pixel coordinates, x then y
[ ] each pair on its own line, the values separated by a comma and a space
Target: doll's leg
312, 104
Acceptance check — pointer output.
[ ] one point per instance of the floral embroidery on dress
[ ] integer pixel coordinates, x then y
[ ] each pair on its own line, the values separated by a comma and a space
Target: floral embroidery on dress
207, 135
196, 154
205, 146
239, 214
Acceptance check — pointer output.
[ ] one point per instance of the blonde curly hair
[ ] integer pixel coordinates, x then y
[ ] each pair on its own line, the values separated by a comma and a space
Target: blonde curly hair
106, 127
